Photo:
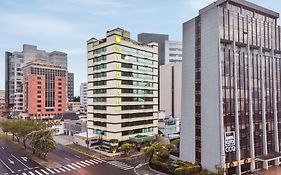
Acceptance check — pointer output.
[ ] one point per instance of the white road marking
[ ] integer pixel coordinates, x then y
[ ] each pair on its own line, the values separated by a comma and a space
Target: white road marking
98, 160
31, 173
75, 165
3, 147
44, 172
20, 161
77, 156
80, 164
56, 170
67, 158
24, 174
71, 167
85, 163
7, 166
38, 172
66, 168
89, 162
94, 161
120, 165
61, 169
50, 170
12, 162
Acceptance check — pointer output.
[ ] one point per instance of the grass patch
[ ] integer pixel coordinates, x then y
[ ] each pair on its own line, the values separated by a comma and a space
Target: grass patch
80, 150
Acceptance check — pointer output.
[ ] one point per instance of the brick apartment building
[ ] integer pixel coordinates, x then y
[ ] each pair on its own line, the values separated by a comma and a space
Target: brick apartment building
44, 89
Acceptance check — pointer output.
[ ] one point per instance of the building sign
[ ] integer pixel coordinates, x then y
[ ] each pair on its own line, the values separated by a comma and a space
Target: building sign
229, 142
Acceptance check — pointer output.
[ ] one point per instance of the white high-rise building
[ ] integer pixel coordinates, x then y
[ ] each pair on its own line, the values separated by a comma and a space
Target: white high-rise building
122, 87
173, 51
83, 95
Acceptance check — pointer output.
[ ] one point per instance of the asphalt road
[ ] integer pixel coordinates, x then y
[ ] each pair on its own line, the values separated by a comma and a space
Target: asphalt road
14, 161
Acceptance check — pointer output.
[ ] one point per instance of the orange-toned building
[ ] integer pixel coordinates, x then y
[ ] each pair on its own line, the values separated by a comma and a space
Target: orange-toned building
44, 89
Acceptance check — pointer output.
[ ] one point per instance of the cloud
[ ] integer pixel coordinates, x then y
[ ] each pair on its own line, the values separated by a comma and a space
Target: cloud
41, 26
197, 4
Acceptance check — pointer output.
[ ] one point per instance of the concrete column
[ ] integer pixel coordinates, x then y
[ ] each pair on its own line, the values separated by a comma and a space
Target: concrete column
237, 131
277, 162
251, 121
276, 137
222, 158
265, 163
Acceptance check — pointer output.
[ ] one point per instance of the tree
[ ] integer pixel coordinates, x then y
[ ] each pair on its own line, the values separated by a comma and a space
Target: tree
126, 147
169, 147
176, 143
20, 128
42, 141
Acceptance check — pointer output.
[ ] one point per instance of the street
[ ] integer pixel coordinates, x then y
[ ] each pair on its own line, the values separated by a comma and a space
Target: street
15, 161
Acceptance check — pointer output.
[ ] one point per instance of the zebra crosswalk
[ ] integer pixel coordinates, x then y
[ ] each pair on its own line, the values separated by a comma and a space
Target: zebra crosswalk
120, 165
63, 169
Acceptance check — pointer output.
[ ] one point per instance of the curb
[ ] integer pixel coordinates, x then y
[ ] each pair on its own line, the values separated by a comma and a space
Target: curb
139, 167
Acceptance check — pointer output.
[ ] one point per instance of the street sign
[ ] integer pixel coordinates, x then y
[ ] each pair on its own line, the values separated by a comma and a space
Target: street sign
229, 142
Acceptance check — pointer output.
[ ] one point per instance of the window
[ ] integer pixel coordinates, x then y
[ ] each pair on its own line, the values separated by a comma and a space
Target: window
38, 78
136, 91
137, 75
98, 123
101, 99
100, 58
136, 107
137, 123
38, 96
99, 75
136, 115
97, 115
38, 101
100, 50
99, 67
99, 83
38, 92
38, 106
99, 91
136, 83
38, 87
99, 107
136, 99
39, 82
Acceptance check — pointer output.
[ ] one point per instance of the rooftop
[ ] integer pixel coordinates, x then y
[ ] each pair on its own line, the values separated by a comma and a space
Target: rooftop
245, 4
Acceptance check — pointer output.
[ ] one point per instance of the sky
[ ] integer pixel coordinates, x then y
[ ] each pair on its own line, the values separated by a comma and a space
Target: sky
66, 25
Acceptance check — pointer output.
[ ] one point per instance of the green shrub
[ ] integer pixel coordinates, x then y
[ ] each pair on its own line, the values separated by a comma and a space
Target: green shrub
182, 171
160, 166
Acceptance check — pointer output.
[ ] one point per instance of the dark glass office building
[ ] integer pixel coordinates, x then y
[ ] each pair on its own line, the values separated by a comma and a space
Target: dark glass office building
231, 106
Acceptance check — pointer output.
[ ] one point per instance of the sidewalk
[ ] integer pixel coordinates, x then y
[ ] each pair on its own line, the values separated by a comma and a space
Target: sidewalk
144, 170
